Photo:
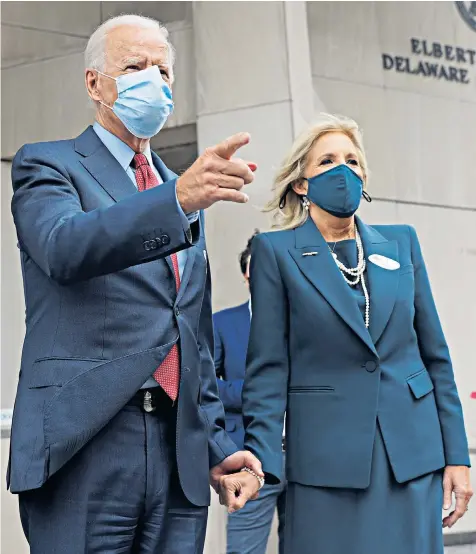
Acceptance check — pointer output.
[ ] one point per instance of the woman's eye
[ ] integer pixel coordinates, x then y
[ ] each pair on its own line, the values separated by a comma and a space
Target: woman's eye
353, 162
326, 161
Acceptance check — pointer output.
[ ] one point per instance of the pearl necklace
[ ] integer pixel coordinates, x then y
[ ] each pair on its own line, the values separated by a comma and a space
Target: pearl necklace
356, 274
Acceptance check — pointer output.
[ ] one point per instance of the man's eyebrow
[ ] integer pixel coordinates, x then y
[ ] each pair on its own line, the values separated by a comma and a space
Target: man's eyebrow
132, 60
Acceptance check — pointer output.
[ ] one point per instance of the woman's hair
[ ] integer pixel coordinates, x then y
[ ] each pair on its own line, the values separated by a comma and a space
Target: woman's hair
286, 204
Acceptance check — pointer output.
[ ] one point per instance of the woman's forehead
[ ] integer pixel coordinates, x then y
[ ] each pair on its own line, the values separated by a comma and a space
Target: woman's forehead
334, 142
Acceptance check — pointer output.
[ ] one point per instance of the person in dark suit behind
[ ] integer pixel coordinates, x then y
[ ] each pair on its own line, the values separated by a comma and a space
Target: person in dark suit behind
346, 342
247, 529
117, 426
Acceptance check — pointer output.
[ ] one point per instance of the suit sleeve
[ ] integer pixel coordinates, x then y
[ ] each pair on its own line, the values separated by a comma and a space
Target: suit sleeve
435, 355
266, 379
229, 390
220, 446
71, 245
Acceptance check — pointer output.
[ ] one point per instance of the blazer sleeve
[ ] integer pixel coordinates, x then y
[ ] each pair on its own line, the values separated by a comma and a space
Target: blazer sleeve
435, 355
71, 245
266, 379
229, 390
220, 446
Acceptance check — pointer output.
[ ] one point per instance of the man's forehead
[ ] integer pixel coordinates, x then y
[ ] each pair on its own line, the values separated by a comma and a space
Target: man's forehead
136, 42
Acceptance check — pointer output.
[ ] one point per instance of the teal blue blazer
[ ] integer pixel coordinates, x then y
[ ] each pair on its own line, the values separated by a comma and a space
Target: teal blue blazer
311, 356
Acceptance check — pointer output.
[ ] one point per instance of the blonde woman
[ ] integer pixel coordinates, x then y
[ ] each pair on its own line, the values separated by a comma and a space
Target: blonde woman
345, 338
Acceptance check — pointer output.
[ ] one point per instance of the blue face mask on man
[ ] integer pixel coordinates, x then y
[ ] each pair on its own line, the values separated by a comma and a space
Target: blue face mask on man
337, 191
144, 101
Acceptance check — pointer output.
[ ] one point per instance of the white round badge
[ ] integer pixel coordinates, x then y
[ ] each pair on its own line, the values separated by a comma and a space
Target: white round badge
383, 261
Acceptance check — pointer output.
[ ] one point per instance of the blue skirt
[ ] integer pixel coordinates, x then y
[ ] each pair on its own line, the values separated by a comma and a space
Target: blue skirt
386, 518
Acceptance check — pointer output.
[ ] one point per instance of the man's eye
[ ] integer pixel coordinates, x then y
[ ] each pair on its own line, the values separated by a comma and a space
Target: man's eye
133, 67
164, 73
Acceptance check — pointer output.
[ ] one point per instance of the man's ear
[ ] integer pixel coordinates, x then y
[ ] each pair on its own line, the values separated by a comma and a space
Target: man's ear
91, 80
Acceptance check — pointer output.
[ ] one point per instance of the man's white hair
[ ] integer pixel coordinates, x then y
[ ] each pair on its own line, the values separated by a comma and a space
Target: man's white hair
95, 53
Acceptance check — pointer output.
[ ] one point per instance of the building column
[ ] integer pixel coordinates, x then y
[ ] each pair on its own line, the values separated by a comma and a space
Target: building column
253, 73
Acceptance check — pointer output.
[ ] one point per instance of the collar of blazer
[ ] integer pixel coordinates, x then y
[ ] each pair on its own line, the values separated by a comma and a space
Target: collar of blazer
321, 270
107, 171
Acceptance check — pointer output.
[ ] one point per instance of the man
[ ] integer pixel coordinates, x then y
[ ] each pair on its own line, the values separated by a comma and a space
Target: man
117, 419
248, 529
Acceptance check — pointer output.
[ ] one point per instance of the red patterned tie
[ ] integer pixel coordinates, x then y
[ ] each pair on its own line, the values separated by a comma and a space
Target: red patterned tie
168, 373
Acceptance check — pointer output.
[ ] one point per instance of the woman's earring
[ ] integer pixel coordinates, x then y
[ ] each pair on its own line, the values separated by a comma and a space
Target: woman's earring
305, 203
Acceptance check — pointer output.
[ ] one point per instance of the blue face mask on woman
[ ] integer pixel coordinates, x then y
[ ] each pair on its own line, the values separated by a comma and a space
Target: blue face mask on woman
337, 191
144, 101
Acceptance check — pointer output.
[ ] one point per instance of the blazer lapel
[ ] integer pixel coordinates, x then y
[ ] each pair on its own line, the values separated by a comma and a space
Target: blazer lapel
103, 166
167, 175
192, 253
382, 283
321, 270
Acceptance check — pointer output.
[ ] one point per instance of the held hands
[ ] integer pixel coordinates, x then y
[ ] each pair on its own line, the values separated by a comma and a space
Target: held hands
215, 176
234, 488
237, 489
456, 480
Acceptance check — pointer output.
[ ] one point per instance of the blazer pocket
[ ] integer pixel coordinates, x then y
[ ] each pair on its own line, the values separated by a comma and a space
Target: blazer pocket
309, 389
49, 372
420, 384
406, 269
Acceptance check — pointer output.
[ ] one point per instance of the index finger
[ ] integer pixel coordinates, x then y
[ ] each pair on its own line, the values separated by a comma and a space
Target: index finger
229, 146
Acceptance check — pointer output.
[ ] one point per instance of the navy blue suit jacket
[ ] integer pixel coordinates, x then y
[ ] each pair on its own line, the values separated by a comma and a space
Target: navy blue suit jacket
311, 355
232, 331
102, 311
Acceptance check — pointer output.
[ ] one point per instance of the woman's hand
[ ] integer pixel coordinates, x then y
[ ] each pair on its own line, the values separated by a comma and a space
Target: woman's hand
236, 489
456, 480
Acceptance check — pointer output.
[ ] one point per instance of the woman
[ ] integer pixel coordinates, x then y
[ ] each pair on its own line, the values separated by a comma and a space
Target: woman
346, 339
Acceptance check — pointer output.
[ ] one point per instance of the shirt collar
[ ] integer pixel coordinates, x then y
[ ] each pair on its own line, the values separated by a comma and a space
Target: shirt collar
119, 149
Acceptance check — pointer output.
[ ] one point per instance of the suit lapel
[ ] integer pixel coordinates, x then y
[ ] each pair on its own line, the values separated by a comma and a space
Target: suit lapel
382, 283
103, 166
192, 253
167, 175
321, 270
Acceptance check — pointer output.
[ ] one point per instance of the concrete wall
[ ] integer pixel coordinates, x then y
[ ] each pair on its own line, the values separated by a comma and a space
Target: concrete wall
43, 93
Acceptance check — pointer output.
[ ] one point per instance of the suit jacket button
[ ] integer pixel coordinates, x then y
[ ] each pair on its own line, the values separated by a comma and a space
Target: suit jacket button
371, 366
165, 239
177, 311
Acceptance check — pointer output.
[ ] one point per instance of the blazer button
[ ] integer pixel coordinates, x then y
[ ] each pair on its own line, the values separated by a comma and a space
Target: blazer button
177, 311
371, 366
165, 239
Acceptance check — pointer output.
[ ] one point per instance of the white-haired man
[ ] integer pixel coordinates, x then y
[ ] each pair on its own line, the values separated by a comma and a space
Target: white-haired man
117, 421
